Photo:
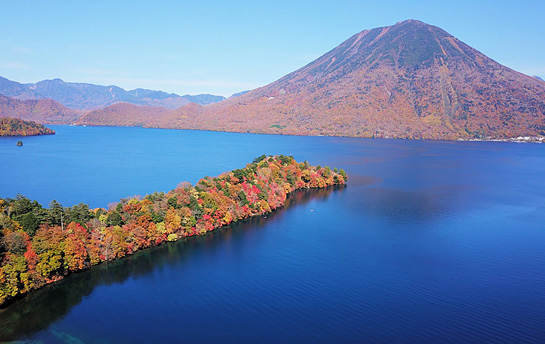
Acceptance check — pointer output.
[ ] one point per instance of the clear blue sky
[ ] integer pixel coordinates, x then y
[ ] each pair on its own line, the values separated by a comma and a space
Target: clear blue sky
222, 47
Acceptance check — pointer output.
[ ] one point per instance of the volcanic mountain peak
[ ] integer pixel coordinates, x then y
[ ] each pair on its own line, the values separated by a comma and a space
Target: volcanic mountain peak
410, 80
407, 47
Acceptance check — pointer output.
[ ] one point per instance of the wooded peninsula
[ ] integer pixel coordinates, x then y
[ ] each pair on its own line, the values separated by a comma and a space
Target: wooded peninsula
17, 127
41, 245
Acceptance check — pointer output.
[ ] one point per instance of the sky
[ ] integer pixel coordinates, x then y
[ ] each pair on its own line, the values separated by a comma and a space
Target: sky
224, 47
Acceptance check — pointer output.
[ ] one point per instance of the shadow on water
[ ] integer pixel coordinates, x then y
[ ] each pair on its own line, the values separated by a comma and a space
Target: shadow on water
40, 308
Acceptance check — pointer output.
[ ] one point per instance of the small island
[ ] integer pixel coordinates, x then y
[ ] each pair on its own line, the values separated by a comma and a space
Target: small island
10, 126
39, 246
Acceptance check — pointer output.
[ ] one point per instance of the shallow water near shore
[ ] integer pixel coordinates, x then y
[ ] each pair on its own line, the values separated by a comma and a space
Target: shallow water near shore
429, 242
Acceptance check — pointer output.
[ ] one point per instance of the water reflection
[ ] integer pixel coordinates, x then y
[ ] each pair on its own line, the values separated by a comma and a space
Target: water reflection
39, 309
399, 206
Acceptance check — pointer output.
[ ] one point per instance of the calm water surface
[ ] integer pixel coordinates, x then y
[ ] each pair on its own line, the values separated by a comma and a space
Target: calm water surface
430, 242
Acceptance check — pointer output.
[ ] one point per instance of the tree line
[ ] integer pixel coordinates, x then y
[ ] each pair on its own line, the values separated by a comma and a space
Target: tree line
41, 245
16, 127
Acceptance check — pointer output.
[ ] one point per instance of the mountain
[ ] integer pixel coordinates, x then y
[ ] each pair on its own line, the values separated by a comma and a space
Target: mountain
41, 111
81, 96
238, 94
409, 80
204, 99
124, 114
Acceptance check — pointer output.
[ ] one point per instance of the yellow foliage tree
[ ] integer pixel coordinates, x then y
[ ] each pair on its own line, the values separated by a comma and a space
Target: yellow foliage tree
173, 221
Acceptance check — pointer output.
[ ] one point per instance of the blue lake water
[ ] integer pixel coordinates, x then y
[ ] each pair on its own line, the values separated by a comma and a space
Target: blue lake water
430, 242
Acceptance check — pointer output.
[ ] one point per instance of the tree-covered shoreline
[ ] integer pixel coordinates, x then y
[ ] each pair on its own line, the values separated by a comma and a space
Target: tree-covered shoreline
17, 127
40, 245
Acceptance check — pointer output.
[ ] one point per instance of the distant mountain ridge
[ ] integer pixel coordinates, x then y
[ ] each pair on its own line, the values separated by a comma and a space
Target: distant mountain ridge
125, 114
83, 96
44, 111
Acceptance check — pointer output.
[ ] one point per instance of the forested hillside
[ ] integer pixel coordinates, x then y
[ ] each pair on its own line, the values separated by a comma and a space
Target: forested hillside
16, 127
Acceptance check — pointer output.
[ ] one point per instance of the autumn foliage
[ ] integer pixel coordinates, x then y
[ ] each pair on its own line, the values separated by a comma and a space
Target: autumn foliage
17, 127
40, 246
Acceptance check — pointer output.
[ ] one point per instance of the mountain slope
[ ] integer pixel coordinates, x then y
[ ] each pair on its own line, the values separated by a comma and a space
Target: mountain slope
410, 80
82, 96
124, 114
45, 111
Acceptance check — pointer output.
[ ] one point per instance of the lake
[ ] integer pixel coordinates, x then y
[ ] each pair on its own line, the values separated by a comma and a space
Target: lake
430, 242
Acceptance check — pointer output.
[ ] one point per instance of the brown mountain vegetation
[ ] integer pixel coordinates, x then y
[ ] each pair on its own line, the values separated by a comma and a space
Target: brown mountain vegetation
45, 111
124, 114
410, 80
